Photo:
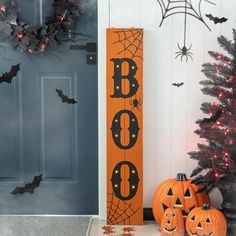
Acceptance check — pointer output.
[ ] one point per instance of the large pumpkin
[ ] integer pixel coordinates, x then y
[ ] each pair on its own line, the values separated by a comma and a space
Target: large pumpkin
180, 193
172, 222
206, 221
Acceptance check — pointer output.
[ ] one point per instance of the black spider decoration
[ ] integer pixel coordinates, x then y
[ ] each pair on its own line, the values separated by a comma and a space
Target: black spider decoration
184, 52
136, 103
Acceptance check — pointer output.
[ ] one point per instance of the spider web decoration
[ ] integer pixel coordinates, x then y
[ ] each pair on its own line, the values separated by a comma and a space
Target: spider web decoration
173, 7
117, 215
132, 40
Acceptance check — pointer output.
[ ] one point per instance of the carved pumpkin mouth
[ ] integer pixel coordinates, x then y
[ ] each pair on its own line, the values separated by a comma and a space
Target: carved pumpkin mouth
196, 234
184, 213
170, 230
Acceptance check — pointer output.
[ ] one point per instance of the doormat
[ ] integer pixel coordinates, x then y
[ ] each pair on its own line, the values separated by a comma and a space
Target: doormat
44, 225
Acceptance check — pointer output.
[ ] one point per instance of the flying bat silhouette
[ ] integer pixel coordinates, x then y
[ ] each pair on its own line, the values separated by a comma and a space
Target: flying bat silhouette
213, 118
178, 84
216, 19
30, 187
65, 98
8, 76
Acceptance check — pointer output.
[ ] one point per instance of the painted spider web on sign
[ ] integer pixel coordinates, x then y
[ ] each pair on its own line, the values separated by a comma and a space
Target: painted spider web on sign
116, 215
132, 40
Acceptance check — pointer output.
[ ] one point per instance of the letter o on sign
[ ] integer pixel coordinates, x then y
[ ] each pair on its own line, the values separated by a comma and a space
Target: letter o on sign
117, 180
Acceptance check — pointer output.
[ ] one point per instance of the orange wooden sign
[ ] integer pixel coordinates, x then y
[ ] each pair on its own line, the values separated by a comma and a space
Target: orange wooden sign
124, 126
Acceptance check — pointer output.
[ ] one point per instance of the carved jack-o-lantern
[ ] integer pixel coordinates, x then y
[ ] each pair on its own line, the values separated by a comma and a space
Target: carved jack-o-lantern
179, 192
206, 221
172, 222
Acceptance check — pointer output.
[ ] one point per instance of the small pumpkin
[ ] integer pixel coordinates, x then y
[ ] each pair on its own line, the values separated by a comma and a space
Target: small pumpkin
179, 192
172, 222
206, 221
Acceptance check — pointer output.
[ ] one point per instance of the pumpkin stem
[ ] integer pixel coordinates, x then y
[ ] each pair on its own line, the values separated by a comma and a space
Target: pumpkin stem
206, 207
181, 177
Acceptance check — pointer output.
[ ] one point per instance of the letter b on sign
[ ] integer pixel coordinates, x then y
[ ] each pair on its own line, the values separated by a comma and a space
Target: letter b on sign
119, 65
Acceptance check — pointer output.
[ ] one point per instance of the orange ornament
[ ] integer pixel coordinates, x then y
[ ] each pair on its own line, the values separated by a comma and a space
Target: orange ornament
179, 192
172, 222
206, 221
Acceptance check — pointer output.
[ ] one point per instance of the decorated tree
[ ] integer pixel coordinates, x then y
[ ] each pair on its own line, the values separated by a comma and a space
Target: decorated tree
217, 156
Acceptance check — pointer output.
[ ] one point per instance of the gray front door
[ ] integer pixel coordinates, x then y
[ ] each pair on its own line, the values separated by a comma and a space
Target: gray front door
39, 133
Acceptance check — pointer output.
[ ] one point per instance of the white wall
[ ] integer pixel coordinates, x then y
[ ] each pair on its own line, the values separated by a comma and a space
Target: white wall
169, 112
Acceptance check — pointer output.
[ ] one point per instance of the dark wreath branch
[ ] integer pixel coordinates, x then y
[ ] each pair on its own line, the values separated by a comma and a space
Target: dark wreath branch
60, 26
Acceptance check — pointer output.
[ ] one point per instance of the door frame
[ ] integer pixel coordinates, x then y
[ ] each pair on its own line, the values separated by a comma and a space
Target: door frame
103, 24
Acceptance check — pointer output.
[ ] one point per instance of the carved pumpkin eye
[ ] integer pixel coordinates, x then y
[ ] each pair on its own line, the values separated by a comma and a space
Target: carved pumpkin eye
173, 216
208, 221
192, 218
187, 194
170, 193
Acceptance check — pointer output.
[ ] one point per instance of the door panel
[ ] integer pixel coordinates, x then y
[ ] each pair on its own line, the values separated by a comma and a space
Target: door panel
58, 129
10, 135
40, 134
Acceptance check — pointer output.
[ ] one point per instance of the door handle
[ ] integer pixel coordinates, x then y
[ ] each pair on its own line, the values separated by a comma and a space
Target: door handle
89, 47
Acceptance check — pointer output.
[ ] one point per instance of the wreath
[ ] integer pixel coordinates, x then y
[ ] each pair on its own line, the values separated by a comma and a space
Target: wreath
60, 26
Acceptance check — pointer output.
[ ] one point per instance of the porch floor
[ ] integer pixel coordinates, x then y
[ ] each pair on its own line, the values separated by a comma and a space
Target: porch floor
149, 228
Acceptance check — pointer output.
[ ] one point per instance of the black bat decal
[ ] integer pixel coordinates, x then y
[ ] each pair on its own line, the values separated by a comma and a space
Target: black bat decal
30, 187
64, 98
8, 76
216, 20
178, 84
213, 118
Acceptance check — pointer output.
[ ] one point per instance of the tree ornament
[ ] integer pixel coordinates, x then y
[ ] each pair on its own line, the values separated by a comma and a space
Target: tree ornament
206, 221
179, 192
60, 26
213, 118
172, 222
